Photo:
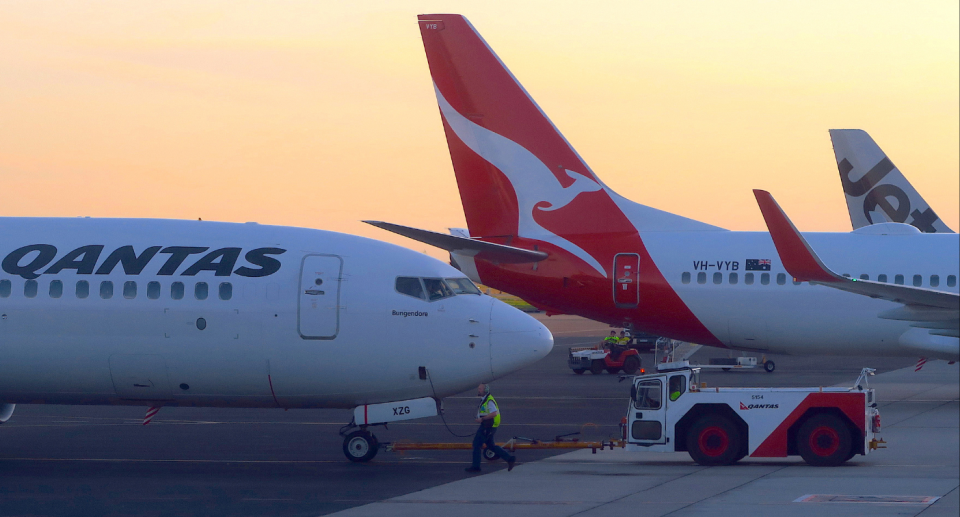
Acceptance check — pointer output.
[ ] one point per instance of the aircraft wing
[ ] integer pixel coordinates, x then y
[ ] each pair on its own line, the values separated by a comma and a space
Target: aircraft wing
802, 263
464, 245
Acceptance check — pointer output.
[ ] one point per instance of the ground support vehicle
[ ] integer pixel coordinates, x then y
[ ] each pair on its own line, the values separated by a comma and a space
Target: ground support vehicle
672, 411
596, 360
669, 350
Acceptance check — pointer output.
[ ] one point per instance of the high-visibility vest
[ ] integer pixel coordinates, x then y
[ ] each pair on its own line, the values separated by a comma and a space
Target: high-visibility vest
482, 410
611, 340
623, 341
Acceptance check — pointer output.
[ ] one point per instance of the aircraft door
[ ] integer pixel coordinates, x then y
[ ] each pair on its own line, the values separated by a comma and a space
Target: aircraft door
318, 309
626, 280
648, 413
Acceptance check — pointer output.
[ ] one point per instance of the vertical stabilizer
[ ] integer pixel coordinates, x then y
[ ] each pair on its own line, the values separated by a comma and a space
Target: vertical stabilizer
876, 190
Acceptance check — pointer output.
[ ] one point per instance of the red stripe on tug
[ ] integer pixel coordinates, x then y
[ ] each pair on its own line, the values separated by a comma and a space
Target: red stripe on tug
851, 404
548, 200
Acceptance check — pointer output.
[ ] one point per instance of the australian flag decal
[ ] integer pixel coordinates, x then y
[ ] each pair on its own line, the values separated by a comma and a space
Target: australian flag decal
758, 265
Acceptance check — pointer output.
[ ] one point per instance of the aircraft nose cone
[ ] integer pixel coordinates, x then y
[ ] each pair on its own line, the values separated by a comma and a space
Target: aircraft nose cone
516, 339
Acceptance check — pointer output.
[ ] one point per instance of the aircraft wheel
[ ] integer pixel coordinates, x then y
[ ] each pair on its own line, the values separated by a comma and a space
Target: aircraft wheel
360, 446
769, 366
714, 440
579, 372
631, 365
596, 367
489, 455
824, 441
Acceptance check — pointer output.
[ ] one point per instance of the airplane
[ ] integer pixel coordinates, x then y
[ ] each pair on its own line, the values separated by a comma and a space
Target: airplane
544, 227
880, 193
203, 314
935, 315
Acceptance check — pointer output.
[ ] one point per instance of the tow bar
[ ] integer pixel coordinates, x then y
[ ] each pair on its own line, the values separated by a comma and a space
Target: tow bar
514, 444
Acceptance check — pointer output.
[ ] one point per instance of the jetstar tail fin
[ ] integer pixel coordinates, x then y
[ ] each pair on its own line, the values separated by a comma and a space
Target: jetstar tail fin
876, 190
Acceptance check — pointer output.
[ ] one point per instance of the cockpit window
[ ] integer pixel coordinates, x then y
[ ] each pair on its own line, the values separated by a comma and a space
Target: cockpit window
462, 286
436, 289
410, 286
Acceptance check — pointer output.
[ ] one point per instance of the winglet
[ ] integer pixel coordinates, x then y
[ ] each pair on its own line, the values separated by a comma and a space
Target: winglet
797, 256
493, 252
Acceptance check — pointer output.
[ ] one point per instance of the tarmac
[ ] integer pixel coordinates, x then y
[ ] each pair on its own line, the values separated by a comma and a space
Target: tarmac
76, 460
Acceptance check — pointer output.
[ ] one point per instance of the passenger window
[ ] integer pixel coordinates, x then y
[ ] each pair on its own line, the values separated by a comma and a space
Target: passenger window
934, 280
952, 281
917, 280
462, 286
410, 286
765, 278
882, 278
30, 288
436, 289
733, 279
748, 278
846, 275
781, 278
648, 394
795, 281
83, 289
106, 290
701, 278
717, 278
677, 386
685, 277
898, 279
5, 288
226, 290
56, 289
864, 277
129, 290
200, 291
153, 290
176, 290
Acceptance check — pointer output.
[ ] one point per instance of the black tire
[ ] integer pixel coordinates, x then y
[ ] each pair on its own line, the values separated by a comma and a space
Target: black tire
713, 441
631, 365
596, 367
726, 369
579, 372
489, 455
769, 366
360, 446
824, 441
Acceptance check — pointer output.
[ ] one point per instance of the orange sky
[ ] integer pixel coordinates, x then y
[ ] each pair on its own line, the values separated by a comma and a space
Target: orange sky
320, 114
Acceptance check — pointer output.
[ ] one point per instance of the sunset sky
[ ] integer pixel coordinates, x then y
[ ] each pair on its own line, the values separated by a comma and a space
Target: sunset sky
321, 114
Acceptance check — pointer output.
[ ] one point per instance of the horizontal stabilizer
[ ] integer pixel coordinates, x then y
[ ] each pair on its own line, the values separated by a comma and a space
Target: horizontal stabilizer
465, 246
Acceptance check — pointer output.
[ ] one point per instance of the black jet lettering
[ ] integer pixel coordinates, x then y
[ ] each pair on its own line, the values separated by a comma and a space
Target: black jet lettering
258, 257
83, 259
878, 197
864, 184
177, 255
132, 264
221, 261
45, 254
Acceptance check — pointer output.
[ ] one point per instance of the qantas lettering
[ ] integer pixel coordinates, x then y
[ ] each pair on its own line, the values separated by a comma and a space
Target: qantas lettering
27, 261
720, 265
744, 407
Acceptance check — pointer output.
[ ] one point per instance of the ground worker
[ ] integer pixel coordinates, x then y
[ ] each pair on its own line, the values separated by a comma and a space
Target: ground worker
610, 341
488, 416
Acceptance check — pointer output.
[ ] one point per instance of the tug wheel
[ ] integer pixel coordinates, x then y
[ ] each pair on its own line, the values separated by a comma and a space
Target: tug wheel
714, 440
631, 365
596, 367
360, 446
824, 441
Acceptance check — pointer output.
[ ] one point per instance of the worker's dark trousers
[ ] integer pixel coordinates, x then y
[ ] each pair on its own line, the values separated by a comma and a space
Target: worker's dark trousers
485, 436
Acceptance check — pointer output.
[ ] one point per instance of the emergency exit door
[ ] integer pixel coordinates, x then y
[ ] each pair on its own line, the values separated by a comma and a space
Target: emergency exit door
626, 280
318, 312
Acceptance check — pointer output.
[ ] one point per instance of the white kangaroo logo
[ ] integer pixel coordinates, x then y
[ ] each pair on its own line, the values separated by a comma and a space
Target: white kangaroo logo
534, 184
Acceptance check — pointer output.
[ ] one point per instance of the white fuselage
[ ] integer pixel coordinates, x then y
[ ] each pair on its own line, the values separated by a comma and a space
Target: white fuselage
291, 318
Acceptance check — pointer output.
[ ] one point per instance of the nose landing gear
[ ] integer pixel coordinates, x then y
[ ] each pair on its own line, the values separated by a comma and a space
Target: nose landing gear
360, 446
